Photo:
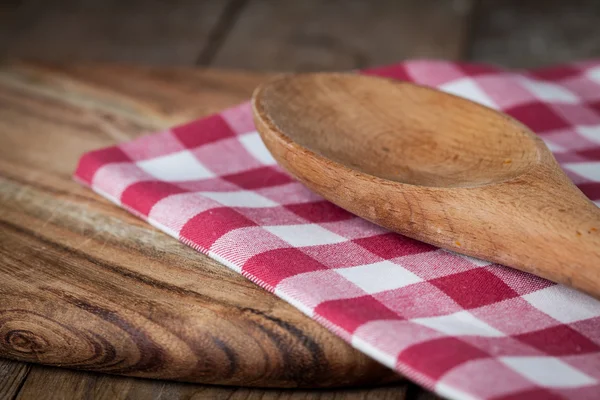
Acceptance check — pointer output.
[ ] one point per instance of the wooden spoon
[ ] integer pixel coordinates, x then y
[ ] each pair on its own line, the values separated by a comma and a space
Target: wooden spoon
434, 167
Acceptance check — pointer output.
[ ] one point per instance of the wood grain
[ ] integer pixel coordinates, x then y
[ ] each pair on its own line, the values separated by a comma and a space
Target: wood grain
326, 35
153, 32
530, 33
86, 285
84, 385
12, 377
435, 167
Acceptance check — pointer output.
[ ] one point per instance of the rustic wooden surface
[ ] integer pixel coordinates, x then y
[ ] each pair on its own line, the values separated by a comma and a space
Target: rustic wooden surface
77, 385
533, 33
300, 35
88, 286
157, 32
187, 32
434, 167
314, 35
305, 35
12, 377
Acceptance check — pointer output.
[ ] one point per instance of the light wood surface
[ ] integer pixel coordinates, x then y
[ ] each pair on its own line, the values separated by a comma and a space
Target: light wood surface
86, 285
434, 167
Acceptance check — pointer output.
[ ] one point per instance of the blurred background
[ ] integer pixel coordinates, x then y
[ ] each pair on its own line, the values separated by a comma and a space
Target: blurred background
300, 35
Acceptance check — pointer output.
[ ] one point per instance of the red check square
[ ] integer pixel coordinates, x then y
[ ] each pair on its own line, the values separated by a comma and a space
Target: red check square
392, 245
559, 341
143, 196
320, 211
202, 132
539, 117
91, 162
357, 311
438, 356
259, 178
208, 226
463, 286
262, 265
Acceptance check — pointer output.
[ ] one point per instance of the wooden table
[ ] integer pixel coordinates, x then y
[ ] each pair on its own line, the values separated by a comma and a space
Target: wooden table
88, 286
300, 35
249, 34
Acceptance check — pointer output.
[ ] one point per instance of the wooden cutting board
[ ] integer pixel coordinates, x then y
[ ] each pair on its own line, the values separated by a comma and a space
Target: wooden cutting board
83, 284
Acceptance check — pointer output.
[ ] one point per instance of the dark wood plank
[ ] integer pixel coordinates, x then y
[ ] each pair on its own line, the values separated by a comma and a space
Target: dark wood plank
8, 6
12, 376
342, 34
530, 33
155, 31
87, 285
72, 385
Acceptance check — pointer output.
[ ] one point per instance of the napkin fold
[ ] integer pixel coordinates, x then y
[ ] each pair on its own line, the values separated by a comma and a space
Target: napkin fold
462, 327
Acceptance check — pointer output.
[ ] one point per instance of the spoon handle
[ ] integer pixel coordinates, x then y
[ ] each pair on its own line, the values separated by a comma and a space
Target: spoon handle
540, 223
562, 246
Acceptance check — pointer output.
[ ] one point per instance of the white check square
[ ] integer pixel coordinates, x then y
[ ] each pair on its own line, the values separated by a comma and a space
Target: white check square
316, 287
112, 179
555, 148
383, 357
589, 170
255, 146
549, 91
472, 260
242, 198
564, 304
548, 371
592, 133
468, 89
176, 210
594, 74
459, 323
305, 235
176, 167
379, 276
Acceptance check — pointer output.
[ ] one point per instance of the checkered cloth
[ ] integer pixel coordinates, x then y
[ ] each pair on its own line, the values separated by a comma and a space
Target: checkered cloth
462, 327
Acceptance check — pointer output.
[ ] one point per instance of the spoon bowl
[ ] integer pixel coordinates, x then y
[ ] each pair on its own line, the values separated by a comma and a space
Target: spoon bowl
400, 132
434, 167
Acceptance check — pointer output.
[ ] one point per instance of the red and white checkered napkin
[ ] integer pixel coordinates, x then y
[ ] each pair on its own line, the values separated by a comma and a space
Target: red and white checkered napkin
462, 327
